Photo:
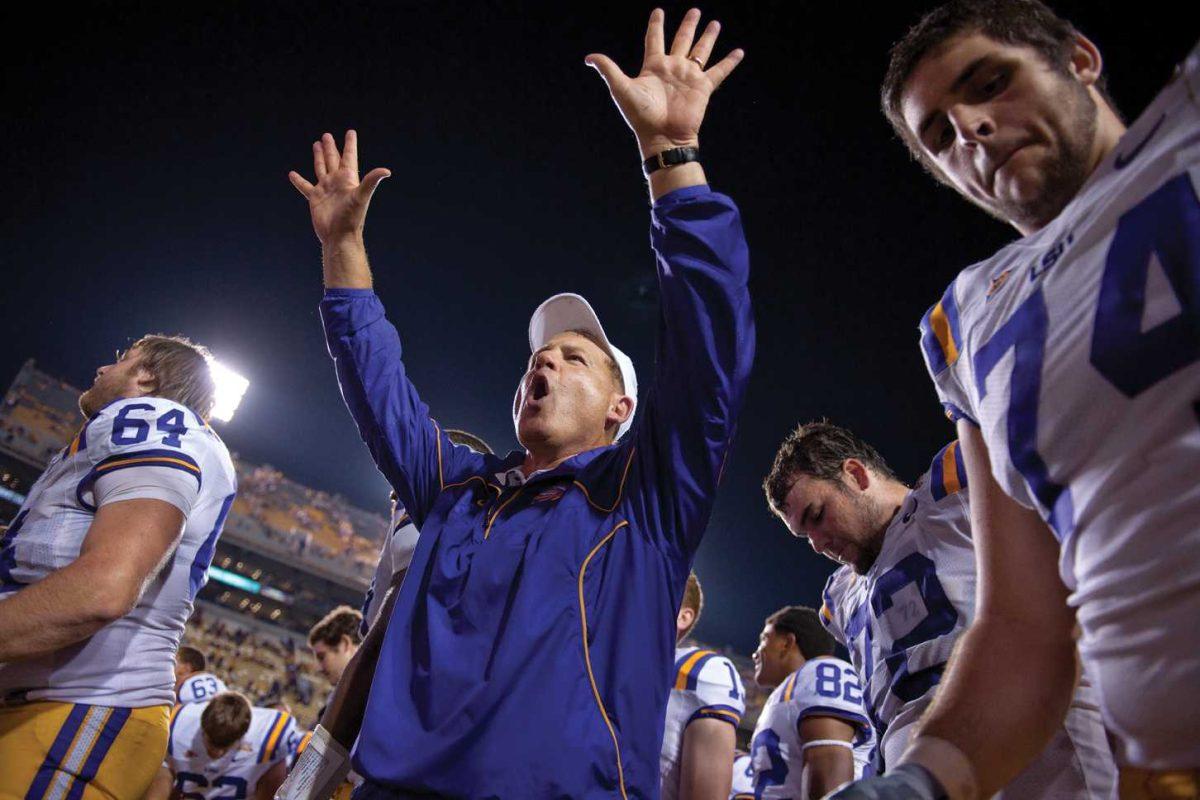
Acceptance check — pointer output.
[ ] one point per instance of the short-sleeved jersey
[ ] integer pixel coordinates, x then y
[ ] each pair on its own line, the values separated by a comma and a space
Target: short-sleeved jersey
901, 619
144, 447
823, 687
200, 688
707, 686
236, 772
396, 555
1075, 351
742, 787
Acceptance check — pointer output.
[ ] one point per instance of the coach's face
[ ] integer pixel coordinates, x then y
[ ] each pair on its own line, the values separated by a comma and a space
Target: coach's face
839, 518
125, 377
569, 398
1003, 126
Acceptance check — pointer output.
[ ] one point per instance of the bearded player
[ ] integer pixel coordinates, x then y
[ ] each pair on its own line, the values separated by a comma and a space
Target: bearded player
703, 711
98, 572
906, 592
813, 733
1069, 361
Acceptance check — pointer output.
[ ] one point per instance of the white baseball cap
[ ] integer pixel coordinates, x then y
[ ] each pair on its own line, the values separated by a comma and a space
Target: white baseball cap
570, 312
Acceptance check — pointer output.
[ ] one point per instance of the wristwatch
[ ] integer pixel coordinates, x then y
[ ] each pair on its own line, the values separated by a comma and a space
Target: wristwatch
670, 158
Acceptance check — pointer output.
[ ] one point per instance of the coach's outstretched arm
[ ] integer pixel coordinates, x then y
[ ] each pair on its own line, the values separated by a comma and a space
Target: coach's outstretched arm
705, 340
406, 444
338, 204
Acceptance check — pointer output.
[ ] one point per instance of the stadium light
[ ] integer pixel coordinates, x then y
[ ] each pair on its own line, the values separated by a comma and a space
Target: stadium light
231, 387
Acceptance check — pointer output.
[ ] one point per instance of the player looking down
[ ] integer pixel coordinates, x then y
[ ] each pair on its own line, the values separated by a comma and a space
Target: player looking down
334, 641
225, 748
98, 572
906, 592
193, 682
542, 595
1070, 361
812, 734
703, 711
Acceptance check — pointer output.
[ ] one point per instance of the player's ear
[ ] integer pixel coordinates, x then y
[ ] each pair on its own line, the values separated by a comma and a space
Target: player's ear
1086, 62
147, 383
856, 473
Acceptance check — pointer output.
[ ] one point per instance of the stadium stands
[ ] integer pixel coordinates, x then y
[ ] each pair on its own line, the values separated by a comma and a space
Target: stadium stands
263, 663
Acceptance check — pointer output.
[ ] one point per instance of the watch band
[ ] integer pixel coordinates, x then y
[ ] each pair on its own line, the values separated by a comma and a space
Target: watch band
670, 158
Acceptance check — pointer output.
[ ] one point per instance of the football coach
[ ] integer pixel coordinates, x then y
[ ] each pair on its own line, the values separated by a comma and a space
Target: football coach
530, 650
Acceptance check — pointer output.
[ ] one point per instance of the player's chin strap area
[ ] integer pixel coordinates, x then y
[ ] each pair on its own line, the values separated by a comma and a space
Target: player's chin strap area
319, 771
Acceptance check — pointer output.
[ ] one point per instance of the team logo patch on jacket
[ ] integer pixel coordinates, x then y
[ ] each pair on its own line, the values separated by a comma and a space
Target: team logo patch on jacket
549, 495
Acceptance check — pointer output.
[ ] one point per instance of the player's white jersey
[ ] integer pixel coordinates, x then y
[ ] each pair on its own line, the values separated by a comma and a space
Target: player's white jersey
823, 687
235, 773
396, 555
742, 787
707, 686
144, 447
200, 688
901, 620
1076, 351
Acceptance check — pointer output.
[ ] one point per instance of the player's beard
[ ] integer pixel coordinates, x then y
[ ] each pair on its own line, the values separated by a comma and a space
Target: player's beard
873, 519
1068, 168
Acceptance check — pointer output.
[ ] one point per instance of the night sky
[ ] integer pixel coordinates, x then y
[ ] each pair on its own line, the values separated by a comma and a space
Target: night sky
145, 157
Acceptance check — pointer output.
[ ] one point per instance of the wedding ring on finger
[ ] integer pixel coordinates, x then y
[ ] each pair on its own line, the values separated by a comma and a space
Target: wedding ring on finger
699, 61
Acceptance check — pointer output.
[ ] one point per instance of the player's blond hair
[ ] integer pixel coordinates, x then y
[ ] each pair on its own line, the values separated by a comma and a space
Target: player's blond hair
693, 598
181, 370
225, 719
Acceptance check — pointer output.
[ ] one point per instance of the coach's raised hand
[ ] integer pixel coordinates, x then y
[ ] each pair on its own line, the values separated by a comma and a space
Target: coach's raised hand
338, 204
665, 103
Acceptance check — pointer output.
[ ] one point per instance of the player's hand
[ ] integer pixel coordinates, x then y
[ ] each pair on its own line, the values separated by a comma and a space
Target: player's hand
338, 202
665, 103
905, 782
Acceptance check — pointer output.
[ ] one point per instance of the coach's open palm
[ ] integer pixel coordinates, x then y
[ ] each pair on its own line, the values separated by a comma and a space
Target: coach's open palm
338, 202
665, 103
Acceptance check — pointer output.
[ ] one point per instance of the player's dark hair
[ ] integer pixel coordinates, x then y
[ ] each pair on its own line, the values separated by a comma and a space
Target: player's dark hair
225, 719
817, 449
342, 621
1014, 22
805, 624
693, 598
192, 657
181, 371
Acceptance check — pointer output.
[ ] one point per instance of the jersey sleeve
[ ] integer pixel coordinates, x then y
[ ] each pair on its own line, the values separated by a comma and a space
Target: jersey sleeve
396, 555
831, 604
719, 691
159, 443
947, 473
276, 738
941, 345
828, 687
712, 687
403, 542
